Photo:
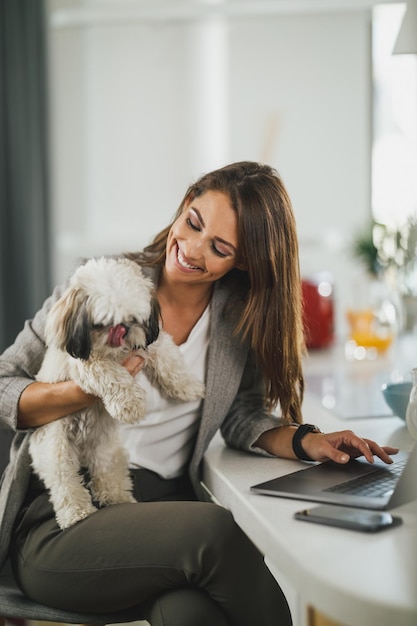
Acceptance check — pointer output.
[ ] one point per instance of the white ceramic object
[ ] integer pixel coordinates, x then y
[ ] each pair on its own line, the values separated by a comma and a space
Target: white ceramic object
411, 414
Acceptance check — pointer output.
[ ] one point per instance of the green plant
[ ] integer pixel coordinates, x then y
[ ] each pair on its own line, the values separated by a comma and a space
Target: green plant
380, 248
365, 250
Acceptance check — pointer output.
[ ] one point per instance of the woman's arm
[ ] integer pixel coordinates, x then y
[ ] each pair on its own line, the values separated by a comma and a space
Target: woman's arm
246, 420
41, 403
339, 447
248, 427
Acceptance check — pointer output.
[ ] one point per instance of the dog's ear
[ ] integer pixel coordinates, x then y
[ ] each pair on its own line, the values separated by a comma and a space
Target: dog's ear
79, 338
68, 324
152, 326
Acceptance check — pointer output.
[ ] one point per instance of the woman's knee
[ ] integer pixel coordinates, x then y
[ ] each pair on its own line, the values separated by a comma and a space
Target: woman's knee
225, 533
184, 607
219, 523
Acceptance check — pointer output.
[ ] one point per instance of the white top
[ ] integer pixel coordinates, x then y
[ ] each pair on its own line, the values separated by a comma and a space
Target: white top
163, 441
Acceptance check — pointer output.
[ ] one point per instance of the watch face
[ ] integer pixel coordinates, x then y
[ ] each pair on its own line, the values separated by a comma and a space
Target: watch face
312, 428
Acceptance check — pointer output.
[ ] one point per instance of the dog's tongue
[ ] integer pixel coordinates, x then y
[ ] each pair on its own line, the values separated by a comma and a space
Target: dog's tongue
115, 336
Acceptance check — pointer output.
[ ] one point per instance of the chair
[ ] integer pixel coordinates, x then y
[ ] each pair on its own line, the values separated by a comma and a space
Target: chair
15, 605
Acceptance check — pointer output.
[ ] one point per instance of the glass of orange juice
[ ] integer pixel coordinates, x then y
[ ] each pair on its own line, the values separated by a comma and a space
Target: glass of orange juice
371, 333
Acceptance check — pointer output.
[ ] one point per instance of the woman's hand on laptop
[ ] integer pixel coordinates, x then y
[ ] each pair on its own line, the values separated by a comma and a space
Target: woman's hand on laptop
339, 446
344, 445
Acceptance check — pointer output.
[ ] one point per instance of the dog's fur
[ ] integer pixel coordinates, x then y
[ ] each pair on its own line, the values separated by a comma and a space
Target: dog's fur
108, 311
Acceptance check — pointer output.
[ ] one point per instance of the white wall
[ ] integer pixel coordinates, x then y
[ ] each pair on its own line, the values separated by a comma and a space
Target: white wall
301, 93
142, 105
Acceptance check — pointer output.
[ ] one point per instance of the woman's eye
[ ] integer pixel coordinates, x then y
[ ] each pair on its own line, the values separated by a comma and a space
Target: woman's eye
192, 224
219, 252
216, 247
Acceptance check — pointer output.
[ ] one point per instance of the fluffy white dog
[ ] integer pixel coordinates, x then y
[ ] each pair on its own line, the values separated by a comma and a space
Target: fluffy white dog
108, 311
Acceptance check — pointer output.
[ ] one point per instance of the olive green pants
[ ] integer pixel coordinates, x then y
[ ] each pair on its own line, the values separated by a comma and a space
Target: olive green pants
186, 563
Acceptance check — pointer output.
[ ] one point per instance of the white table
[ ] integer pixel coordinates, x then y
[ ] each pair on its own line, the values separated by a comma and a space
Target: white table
348, 578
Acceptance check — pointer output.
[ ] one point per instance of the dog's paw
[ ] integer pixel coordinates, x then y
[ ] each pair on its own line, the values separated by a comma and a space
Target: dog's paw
166, 368
192, 390
130, 414
69, 516
121, 498
127, 410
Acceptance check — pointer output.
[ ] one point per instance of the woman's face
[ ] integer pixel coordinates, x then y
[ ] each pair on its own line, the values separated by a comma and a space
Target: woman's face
202, 245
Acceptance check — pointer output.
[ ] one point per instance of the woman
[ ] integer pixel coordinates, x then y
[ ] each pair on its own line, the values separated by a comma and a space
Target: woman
227, 279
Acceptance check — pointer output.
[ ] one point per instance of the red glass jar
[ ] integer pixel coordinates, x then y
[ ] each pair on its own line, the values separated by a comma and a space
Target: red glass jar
318, 311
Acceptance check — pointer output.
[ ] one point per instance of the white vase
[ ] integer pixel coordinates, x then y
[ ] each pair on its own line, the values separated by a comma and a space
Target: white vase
411, 414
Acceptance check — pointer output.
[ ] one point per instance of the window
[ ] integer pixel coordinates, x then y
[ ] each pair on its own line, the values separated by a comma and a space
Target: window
394, 153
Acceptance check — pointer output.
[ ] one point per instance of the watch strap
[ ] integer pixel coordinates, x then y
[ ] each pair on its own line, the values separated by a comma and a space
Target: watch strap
297, 447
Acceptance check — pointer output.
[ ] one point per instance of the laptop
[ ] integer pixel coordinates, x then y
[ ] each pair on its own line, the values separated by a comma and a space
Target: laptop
360, 484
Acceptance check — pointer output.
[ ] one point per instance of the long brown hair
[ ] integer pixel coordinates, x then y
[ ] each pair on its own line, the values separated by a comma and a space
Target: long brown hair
271, 318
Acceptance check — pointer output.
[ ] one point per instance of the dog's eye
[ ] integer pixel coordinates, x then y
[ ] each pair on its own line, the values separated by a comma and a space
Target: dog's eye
97, 326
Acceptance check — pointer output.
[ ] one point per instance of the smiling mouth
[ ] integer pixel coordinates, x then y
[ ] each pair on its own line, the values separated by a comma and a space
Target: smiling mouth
184, 263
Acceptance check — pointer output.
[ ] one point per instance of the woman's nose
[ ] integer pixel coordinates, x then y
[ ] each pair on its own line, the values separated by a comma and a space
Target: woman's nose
192, 249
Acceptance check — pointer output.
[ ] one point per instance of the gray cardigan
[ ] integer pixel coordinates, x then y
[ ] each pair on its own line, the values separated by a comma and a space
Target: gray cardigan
233, 402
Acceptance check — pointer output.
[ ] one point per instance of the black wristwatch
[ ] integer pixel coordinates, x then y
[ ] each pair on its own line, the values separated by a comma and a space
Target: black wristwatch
301, 431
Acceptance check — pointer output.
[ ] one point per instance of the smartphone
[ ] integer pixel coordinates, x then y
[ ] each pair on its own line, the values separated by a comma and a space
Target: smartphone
345, 517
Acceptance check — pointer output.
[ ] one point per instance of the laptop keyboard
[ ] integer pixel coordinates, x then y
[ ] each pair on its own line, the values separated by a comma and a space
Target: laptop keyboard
377, 483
